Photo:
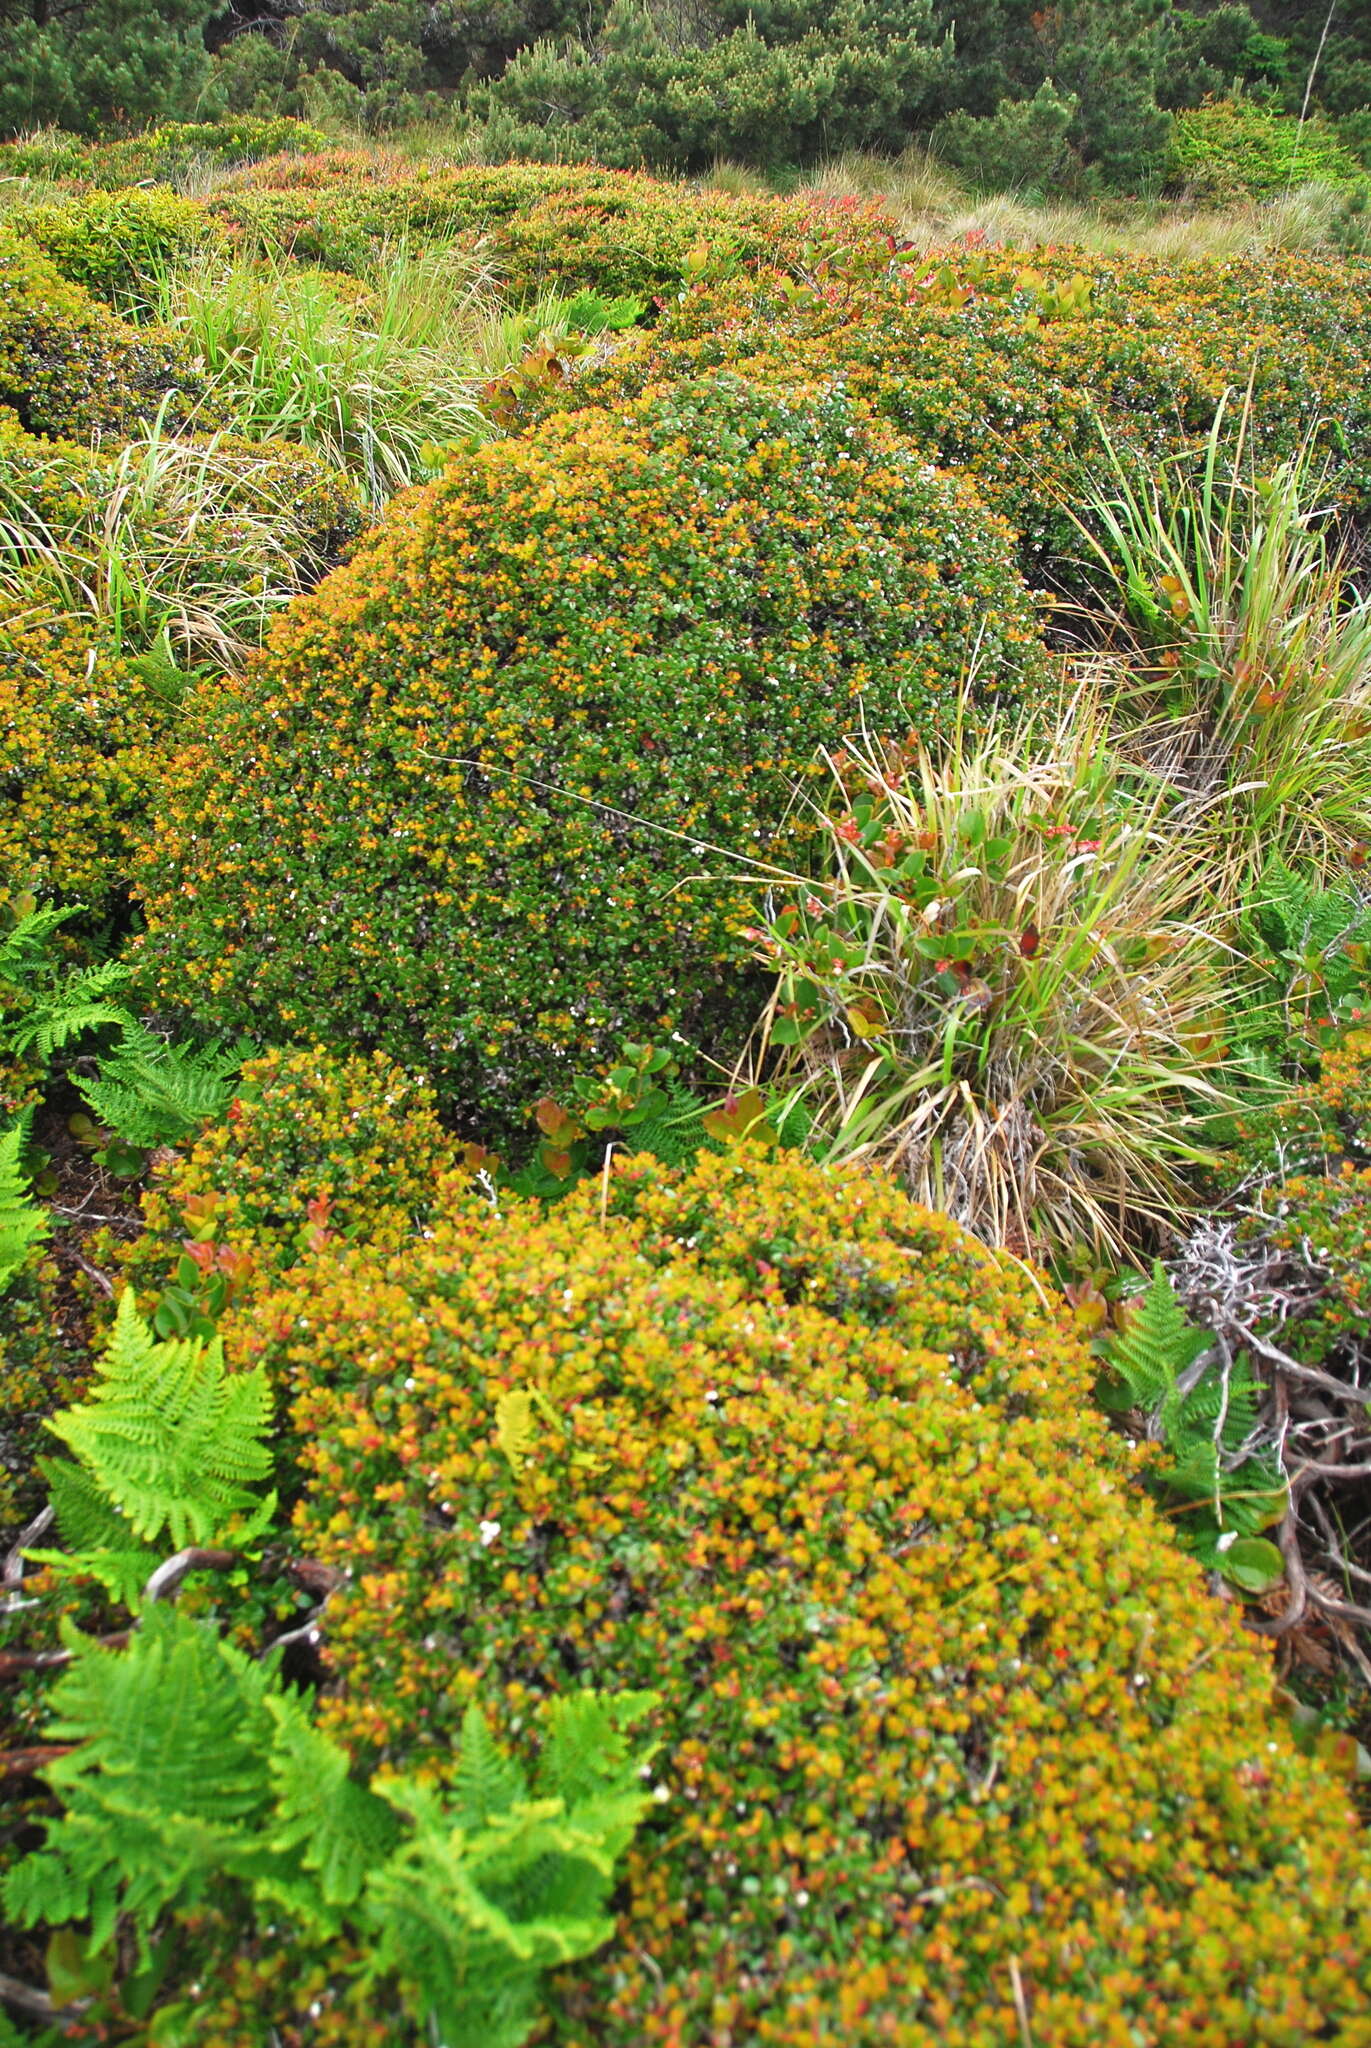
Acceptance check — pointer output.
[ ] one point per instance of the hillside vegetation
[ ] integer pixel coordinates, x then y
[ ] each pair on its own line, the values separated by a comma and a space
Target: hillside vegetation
685, 1033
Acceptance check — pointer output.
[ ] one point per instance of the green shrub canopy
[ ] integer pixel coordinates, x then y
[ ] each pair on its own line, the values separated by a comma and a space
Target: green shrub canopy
464, 805
942, 1702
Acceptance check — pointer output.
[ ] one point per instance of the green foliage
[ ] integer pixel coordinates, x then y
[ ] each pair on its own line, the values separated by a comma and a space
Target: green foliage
23, 1222
152, 1093
776, 89
195, 1774
1105, 58
1312, 946
69, 365
1022, 146
1230, 148
587, 658
167, 154
1224, 1487
113, 244
100, 64
60, 1008
373, 64
171, 1439
1211, 54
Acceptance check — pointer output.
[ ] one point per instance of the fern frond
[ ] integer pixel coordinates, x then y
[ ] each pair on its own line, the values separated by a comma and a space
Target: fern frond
24, 945
167, 1773
151, 1093
340, 1828
100, 1543
678, 1135
1156, 1344
83, 1002
586, 1750
487, 1780
170, 1437
23, 1223
194, 1771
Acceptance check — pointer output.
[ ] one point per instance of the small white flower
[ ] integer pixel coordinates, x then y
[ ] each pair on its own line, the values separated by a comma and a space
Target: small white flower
1227, 1540
489, 1532
660, 1794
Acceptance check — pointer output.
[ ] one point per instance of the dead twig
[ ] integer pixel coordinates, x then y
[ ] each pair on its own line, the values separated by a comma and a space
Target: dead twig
169, 1575
23, 1763
36, 2004
13, 1573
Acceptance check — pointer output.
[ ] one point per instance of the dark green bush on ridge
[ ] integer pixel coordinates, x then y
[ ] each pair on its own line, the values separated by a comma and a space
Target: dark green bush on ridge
421, 819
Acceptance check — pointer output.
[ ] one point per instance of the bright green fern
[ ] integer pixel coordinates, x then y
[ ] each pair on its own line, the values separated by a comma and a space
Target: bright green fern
150, 1093
22, 1222
1221, 1485
196, 1774
171, 1440
100, 1543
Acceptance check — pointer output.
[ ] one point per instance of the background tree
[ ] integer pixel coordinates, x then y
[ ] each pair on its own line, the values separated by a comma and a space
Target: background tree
93, 65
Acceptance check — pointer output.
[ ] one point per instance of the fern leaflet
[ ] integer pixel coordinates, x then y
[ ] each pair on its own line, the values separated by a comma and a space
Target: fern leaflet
195, 1770
23, 1223
171, 1439
151, 1093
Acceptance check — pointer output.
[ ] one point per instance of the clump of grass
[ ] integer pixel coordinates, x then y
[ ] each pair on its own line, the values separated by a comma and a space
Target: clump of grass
998, 987
369, 380
165, 549
1247, 647
935, 209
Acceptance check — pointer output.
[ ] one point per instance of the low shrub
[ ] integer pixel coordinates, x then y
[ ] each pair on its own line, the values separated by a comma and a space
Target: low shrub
42, 1366
1008, 368
1230, 149
544, 227
82, 731
68, 365
114, 243
462, 805
162, 155
316, 1149
949, 1730
1325, 1222
1323, 1126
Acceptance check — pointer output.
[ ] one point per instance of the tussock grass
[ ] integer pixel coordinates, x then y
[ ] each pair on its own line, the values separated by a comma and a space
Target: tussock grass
170, 551
1246, 646
369, 379
934, 208
999, 984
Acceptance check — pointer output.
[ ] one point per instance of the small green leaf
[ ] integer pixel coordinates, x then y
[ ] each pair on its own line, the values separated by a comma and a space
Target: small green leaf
1252, 1564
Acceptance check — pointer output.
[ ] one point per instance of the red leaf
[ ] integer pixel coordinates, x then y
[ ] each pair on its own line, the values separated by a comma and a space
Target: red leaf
1030, 938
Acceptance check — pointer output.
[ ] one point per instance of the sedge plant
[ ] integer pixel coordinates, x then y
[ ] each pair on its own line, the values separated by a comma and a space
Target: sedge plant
166, 547
368, 378
996, 983
1245, 645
